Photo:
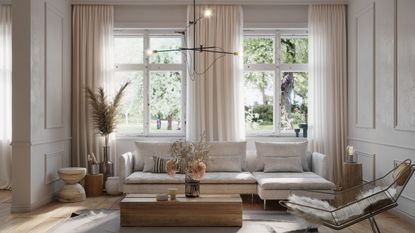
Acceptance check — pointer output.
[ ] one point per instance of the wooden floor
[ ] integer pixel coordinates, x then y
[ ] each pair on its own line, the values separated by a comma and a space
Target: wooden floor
46, 217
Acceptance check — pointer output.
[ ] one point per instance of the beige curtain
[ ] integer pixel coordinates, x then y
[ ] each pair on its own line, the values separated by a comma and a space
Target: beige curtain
214, 98
5, 96
328, 84
92, 29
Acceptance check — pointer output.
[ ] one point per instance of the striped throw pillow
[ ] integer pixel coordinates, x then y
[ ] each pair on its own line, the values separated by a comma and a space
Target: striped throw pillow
159, 164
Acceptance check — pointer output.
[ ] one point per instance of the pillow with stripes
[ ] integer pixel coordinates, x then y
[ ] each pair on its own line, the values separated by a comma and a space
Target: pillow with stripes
159, 165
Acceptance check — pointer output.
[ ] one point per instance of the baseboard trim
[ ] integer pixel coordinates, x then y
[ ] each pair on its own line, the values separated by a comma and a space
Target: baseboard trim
403, 214
28, 208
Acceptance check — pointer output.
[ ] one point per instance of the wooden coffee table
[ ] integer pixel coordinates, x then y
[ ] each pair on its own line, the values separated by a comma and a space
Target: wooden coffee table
207, 210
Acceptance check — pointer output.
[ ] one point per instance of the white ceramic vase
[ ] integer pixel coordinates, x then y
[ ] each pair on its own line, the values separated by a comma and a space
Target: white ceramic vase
112, 185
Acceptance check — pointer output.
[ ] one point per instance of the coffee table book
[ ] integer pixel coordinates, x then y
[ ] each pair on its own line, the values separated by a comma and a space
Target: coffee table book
206, 211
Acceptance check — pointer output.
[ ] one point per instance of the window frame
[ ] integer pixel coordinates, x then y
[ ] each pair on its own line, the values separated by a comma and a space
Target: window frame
278, 68
146, 67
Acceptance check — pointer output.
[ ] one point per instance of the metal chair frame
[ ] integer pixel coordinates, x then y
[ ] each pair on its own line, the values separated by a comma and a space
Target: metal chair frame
370, 215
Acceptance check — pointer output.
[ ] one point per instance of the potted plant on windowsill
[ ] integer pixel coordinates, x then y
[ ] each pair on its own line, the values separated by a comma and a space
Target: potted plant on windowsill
304, 126
104, 113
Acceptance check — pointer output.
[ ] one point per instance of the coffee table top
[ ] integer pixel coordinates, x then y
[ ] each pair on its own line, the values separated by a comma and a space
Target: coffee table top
151, 198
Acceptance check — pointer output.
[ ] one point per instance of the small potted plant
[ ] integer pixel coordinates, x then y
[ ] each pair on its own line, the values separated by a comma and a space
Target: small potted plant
93, 165
304, 126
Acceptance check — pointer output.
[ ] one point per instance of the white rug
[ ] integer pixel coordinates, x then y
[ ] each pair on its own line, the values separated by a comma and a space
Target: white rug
254, 221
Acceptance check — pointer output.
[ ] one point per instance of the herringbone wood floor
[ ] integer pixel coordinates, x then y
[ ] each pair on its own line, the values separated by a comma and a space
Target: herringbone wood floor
47, 216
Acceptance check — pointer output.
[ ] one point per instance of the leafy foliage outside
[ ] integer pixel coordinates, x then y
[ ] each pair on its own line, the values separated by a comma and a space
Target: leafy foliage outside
165, 91
294, 85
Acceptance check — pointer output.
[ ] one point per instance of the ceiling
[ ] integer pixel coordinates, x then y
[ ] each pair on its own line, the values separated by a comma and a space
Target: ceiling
186, 2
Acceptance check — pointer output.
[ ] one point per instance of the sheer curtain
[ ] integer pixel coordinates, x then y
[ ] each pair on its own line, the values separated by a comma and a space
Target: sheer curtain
328, 84
214, 98
5, 96
92, 66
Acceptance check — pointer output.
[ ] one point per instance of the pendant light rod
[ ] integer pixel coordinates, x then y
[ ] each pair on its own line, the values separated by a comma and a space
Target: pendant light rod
201, 48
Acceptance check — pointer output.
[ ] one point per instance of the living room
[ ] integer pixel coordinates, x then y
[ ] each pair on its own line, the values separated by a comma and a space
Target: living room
207, 116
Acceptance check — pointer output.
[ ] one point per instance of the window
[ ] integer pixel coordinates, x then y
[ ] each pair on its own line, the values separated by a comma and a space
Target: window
275, 81
154, 102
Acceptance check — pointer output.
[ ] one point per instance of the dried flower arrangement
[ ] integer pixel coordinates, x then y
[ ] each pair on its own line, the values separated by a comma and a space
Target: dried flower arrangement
190, 157
92, 159
104, 113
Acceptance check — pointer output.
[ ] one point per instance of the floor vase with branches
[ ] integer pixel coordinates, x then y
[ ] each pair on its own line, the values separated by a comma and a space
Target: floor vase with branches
104, 114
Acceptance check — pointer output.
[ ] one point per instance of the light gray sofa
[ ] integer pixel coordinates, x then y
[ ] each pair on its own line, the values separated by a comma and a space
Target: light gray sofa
136, 178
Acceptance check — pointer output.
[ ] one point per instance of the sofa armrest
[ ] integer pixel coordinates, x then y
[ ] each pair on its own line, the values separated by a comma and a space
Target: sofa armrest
125, 166
319, 164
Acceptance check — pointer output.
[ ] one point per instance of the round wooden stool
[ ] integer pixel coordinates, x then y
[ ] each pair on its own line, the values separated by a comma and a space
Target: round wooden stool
72, 191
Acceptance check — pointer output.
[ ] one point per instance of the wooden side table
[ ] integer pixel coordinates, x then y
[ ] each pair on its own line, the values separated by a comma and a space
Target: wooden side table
94, 185
352, 175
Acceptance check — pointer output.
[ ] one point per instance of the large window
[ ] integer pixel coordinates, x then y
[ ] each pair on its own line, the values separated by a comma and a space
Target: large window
154, 102
276, 81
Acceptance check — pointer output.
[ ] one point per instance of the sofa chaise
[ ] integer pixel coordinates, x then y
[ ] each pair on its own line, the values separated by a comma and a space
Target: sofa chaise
230, 172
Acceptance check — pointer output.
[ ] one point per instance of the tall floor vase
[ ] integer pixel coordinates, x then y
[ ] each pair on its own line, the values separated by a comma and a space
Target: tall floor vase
107, 166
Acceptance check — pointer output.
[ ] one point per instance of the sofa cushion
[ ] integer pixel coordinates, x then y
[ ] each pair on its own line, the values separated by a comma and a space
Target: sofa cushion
154, 178
228, 178
280, 149
149, 162
208, 178
224, 164
283, 164
224, 149
289, 180
147, 150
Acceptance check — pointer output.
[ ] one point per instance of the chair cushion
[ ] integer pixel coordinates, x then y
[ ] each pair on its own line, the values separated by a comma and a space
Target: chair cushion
208, 178
292, 180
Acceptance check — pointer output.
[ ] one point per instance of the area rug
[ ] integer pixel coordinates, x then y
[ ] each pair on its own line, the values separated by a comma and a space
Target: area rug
254, 221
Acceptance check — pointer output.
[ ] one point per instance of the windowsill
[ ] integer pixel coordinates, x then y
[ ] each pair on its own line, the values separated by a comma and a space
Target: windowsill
179, 136
122, 136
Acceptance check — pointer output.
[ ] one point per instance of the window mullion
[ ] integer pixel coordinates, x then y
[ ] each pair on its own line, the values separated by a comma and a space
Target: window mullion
277, 84
146, 85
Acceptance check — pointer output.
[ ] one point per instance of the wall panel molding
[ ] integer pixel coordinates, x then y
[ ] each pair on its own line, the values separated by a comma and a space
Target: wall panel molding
365, 24
381, 143
54, 70
404, 76
53, 162
368, 162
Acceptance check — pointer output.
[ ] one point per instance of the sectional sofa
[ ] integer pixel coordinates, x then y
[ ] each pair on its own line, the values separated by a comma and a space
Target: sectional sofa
230, 171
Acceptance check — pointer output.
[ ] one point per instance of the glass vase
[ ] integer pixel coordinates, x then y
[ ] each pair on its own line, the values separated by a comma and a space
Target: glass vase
192, 187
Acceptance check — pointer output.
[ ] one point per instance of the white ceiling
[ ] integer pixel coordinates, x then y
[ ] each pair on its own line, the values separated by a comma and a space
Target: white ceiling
186, 2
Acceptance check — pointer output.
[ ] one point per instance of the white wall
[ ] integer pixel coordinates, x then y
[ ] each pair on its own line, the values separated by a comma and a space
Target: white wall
382, 85
41, 99
175, 16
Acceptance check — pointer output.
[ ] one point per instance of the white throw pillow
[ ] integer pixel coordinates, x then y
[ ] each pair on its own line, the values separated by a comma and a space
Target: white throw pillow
280, 149
283, 164
145, 150
224, 164
226, 149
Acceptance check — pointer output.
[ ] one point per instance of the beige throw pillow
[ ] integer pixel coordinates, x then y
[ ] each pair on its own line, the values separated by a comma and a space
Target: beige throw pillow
224, 164
281, 149
283, 164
